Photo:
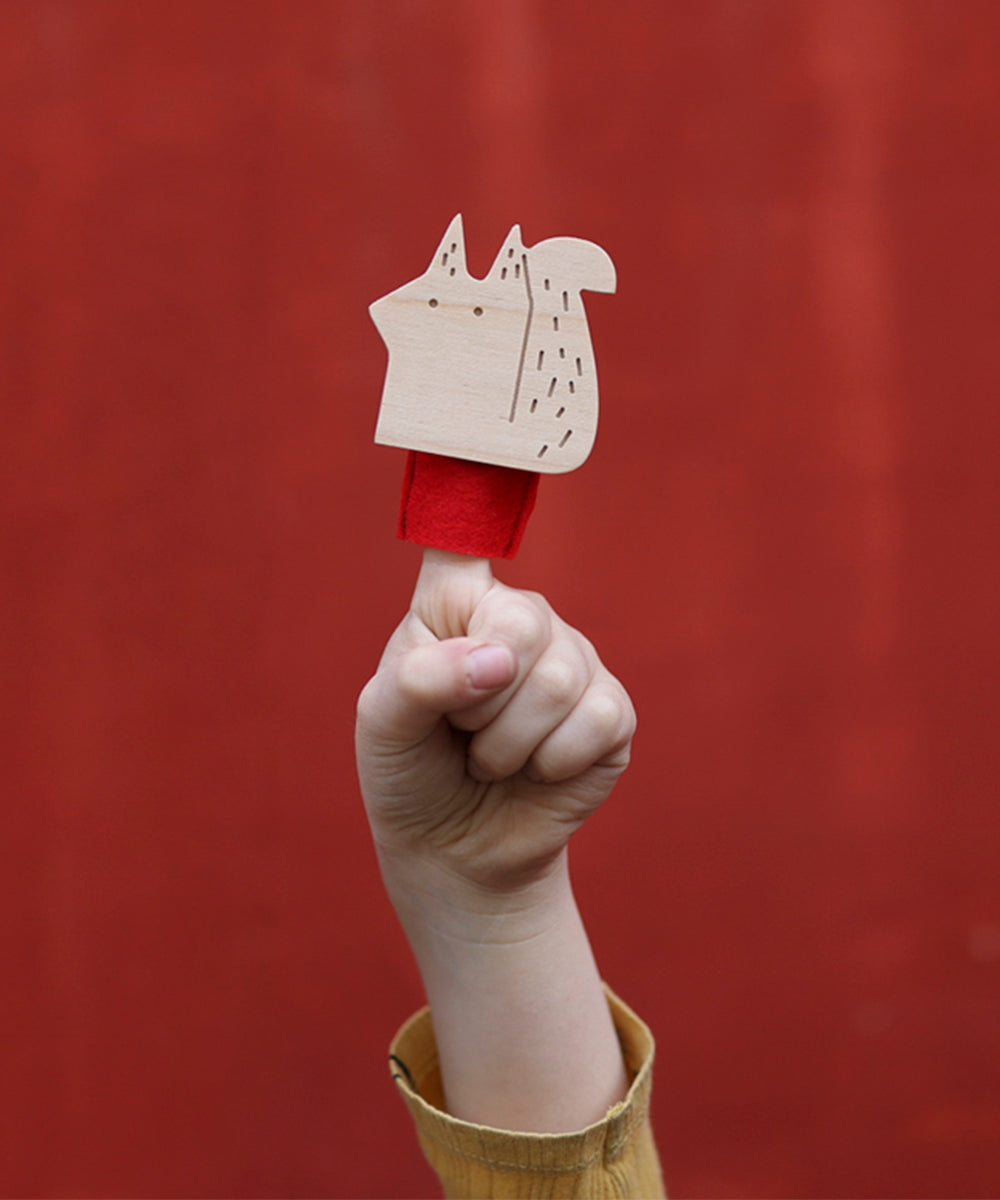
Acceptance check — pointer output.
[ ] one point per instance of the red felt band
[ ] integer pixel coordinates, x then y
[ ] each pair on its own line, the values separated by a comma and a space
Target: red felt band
468, 507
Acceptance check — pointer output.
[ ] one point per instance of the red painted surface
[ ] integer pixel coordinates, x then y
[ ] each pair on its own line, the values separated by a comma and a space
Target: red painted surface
785, 541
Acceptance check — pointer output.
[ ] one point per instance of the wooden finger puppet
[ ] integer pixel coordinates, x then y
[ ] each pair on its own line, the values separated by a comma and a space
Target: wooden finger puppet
490, 382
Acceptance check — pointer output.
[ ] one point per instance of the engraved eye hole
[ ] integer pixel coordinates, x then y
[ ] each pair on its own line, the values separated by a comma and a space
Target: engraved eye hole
477, 311
433, 303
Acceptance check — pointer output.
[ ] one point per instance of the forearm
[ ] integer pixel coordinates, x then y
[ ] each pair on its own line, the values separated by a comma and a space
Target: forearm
524, 1033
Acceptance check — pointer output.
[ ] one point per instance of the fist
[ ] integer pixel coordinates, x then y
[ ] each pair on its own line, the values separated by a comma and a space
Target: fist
489, 733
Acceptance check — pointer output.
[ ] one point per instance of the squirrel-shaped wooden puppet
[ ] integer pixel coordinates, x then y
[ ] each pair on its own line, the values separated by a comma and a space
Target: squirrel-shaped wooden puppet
499, 370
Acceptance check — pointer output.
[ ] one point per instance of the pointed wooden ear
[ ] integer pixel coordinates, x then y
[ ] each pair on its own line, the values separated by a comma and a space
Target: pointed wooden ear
507, 264
450, 255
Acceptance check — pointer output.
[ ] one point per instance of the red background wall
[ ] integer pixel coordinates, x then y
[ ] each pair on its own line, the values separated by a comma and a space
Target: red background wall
785, 542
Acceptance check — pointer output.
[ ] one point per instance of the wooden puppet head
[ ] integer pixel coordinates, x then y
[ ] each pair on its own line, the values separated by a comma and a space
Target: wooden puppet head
495, 370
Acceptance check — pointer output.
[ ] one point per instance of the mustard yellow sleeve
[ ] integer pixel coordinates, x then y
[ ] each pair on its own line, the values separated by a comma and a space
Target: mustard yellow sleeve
615, 1157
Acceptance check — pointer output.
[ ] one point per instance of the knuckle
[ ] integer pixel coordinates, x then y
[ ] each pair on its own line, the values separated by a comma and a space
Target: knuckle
536, 599
611, 715
604, 714
557, 681
521, 622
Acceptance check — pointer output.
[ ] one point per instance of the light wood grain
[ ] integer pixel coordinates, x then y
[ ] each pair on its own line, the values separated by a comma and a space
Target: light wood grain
497, 370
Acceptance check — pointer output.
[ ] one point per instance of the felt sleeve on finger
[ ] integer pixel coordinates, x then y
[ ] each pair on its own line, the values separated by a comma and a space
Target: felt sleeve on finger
466, 507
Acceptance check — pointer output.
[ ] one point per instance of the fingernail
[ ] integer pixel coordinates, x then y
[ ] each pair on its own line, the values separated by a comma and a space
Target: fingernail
490, 666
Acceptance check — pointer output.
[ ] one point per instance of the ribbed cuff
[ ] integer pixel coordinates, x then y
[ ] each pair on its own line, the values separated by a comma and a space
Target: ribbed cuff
475, 1160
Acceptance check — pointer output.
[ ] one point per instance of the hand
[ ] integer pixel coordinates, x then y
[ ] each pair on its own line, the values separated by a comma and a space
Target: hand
489, 734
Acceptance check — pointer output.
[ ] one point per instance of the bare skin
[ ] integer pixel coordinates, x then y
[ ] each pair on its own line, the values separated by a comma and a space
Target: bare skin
488, 735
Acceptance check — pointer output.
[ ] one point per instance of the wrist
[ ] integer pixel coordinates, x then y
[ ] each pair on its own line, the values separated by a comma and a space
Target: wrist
438, 906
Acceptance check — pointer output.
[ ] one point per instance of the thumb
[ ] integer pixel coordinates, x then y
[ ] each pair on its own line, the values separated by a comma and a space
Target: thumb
410, 694
449, 588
